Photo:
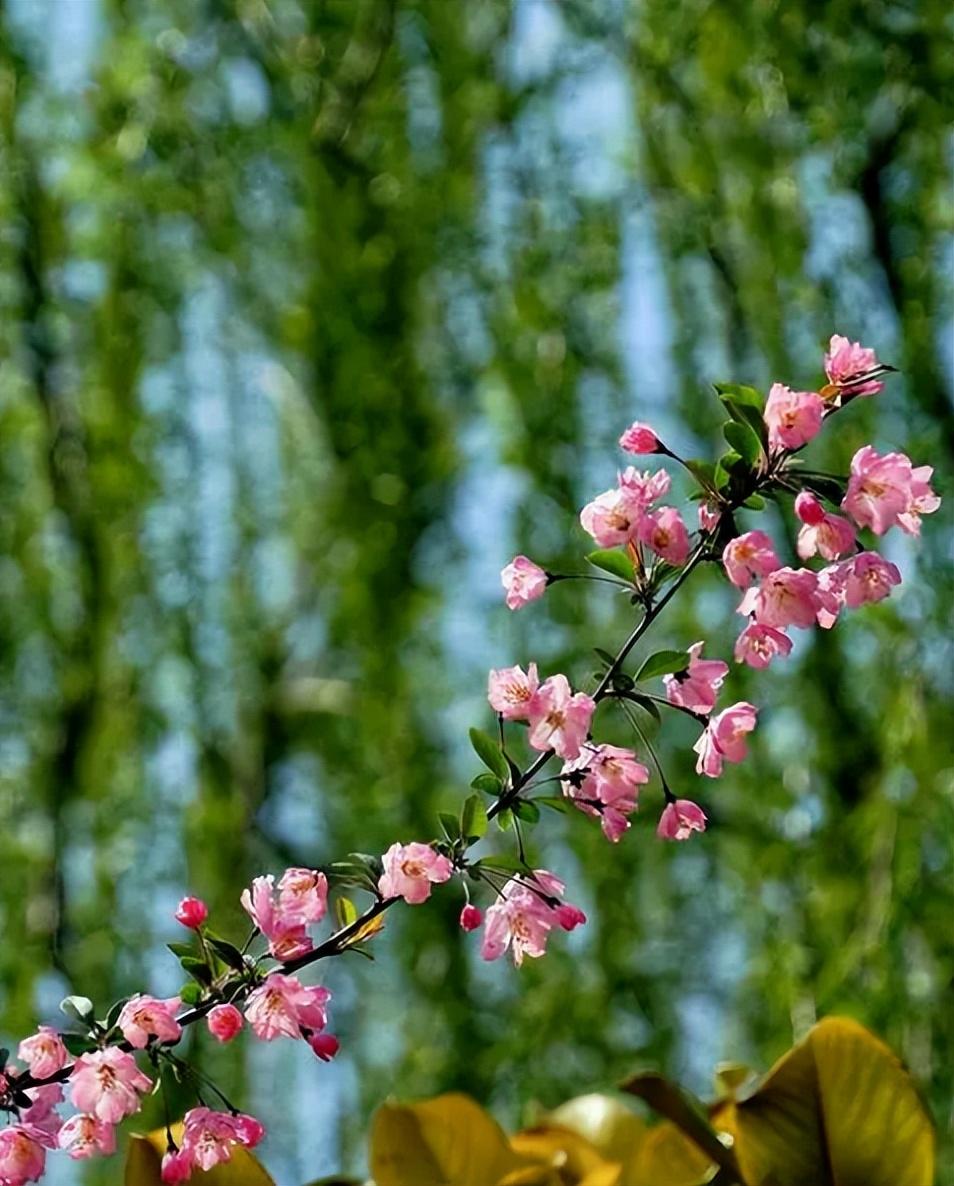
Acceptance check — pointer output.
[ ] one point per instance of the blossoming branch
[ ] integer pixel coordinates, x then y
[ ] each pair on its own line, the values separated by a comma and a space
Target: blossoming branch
646, 550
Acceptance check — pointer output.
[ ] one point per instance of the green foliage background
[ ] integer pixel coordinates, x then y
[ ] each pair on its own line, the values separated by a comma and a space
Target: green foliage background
312, 312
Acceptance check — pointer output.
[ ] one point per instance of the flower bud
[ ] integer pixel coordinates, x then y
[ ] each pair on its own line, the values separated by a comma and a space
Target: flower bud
192, 913
224, 1022
326, 1046
569, 916
470, 918
639, 438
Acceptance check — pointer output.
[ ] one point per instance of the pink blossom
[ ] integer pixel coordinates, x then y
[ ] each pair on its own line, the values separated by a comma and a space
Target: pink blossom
224, 1022
696, 688
107, 1084
868, 577
524, 581
522, 917
510, 690
749, 555
665, 532
176, 1167
786, 597
281, 1007
302, 896
644, 486
145, 1017
680, 819
287, 937
192, 913
604, 782
709, 517
41, 1118
639, 438
846, 364
44, 1052
471, 917
886, 490
559, 718
793, 417
325, 1046
22, 1158
612, 518
724, 738
830, 535
86, 1136
209, 1137
759, 645
410, 870
830, 593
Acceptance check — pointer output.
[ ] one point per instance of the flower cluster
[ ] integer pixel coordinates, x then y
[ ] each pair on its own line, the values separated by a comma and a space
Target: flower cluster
647, 551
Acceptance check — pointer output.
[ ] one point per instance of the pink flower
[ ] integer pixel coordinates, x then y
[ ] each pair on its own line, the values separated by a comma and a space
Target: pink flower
749, 555
325, 1046
86, 1136
107, 1084
44, 1052
644, 486
41, 1119
847, 364
724, 738
281, 1007
192, 913
559, 718
209, 1137
709, 517
639, 438
22, 1158
786, 597
886, 490
868, 577
696, 688
758, 645
680, 819
302, 896
524, 581
830, 535
523, 916
664, 531
604, 782
176, 1167
410, 870
612, 518
144, 1017
793, 417
510, 690
287, 937
470, 917
224, 1022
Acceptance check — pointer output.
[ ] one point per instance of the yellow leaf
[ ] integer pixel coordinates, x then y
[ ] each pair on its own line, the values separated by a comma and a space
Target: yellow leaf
447, 1141
144, 1158
837, 1110
565, 1151
610, 1127
668, 1158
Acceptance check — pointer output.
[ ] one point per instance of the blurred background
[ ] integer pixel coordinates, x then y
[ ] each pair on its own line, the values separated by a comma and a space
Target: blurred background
313, 313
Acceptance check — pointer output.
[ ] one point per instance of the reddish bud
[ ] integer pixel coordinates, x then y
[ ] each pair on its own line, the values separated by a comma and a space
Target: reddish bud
192, 913
326, 1046
224, 1022
470, 918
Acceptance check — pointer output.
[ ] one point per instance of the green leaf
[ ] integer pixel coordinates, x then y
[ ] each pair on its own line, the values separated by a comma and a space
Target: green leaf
755, 502
197, 969
554, 802
612, 561
489, 753
526, 810
663, 663
490, 784
181, 949
744, 440
740, 394
644, 703
505, 819
704, 472
190, 994
828, 488
345, 912
607, 658
77, 1044
227, 952
622, 682
79, 1008
502, 863
450, 826
473, 818
112, 1016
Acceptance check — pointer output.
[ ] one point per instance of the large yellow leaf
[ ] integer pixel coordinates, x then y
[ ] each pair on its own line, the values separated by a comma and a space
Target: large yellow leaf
837, 1110
144, 1159
572, 1155
447, 1141
610, 1127
668, 1158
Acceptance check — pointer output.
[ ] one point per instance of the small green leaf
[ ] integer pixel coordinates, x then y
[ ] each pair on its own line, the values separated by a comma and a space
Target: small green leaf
526, 810
345, 912
663, 663
704, 473
741, 394
489, 753
490, 784
227, 952
829, 488
743, 439
197, 969
80, 1008
644, 703
622, 682
77, 1044
473, 818
612, 561
181, 949
503, 864
112, 1016
190, 994
755, 502
505, 819
450, 826
607, 658
554, 802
